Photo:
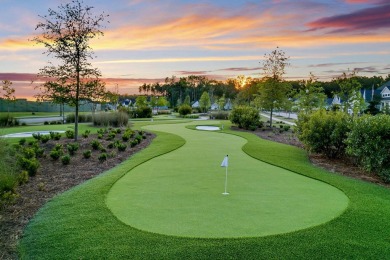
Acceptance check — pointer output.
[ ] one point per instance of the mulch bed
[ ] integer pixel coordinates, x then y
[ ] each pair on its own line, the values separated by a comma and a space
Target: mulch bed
54, 178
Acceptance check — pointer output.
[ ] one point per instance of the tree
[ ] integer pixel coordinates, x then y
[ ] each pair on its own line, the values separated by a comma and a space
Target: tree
310, 96
221, 102
66, 34
349, 86
273, 90
187, 100
204, 101
9, 92
141, 101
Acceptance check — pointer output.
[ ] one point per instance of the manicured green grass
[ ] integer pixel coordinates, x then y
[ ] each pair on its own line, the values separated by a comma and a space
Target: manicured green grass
77, 224
36, 114
180, 193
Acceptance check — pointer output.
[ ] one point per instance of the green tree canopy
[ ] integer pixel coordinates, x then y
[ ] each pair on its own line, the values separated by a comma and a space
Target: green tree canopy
204, 101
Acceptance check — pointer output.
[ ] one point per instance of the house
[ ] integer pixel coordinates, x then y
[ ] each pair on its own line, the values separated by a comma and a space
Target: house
383, 92
214, 106
331, 102
195, 105
228, 105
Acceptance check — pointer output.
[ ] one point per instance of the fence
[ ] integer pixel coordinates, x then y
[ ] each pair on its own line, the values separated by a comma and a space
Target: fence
23, 105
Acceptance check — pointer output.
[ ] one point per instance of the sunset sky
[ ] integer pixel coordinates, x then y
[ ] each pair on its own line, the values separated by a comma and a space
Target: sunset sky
148, 40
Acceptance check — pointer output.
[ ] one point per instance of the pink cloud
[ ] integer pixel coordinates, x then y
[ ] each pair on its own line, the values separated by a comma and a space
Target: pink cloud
362, 20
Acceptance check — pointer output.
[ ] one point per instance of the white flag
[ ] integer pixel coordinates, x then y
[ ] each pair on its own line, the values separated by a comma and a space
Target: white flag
225, 162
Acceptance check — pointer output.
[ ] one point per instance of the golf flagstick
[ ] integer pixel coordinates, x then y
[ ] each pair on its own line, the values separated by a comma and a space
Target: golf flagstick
225, 164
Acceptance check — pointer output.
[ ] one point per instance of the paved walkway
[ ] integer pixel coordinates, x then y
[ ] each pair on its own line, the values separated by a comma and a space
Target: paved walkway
284, 121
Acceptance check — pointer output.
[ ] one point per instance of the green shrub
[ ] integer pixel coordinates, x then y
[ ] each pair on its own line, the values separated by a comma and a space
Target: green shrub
69, 134
58, 147
30, 165
87, 154
65, 159
122, 147
22, 141
286, 128
37, 136
325, 132
134, 143
111, 135
95, 144
110, 145
72, 148
23, 177
55, 154
55, 136
245, 117
28, 152
139, 138
45, 138
185, 109
86, 133
369, 142
39, 152
102, 157
142, 112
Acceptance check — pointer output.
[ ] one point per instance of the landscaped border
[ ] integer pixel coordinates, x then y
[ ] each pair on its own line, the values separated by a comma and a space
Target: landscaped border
77, 224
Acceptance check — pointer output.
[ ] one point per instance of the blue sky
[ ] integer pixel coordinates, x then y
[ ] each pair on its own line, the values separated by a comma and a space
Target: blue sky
147, 41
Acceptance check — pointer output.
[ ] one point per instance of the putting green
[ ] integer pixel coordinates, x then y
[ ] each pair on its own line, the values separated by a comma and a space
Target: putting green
180, 193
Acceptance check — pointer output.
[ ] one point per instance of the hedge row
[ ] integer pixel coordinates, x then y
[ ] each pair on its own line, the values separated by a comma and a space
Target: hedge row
365, 139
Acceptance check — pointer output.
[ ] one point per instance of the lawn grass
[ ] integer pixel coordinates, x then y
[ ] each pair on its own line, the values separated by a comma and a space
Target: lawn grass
37, 114
77, 224
180, 193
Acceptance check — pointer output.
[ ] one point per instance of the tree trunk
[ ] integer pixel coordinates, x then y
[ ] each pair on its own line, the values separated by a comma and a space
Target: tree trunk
270, 118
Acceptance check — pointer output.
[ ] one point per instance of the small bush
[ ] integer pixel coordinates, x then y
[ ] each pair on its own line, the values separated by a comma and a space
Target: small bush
65, 159
86, 133
111, 136
121, 147
45, 138
286, 128
369, 143
28, 152
37, 136
134, 143
55, 154
102, 157
22, 141
23, 177
58, 147
95, 144
72, 148
110, 145
30, 165
55, 136
87, 154
324, 132
46, 123
39, 152
185, 109
245, 117
69, 134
